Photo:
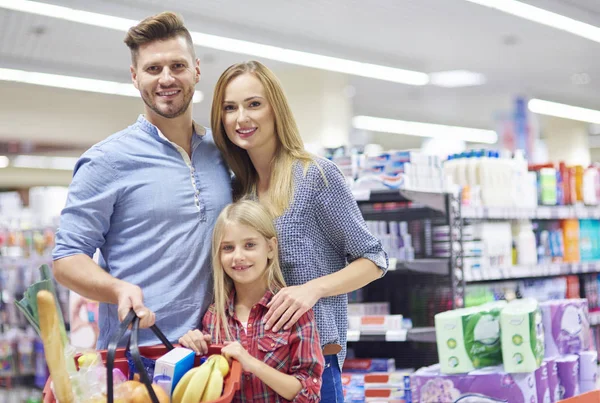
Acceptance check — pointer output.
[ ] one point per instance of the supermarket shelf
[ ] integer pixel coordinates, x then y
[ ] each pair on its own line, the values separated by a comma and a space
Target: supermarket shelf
422, 335
523, 272
431, 200
539, 213
594, 318
428, 266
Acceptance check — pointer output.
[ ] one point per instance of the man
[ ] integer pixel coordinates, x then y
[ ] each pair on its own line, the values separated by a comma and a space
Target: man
147, 197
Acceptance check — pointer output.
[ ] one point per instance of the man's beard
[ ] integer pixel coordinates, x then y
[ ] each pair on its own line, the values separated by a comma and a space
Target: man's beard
184, 106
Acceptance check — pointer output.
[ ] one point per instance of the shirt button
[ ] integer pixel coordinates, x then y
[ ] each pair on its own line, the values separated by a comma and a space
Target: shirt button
249, 324
315, 380
272, 344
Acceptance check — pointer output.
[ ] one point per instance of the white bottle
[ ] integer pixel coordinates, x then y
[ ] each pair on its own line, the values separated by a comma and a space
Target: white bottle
519, 172
526, 244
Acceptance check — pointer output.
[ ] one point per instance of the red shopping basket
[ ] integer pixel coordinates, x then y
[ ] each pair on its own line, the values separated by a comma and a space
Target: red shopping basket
117, 357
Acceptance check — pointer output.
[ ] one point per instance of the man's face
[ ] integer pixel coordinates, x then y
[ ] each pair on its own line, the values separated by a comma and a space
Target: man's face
166, 74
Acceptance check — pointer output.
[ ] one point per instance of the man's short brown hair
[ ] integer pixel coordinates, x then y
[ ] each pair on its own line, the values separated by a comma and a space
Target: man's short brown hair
163, 26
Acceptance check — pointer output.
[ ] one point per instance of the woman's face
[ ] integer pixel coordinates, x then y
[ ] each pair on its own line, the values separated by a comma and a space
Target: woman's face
247, 115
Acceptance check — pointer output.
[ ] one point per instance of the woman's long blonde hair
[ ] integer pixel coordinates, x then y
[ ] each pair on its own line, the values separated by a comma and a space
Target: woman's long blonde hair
256, 216
290, 147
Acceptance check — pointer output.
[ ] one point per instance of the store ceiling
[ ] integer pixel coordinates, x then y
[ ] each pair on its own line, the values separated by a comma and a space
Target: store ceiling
517, 56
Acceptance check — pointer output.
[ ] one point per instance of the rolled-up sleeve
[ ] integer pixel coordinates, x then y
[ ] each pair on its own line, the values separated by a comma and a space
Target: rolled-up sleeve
307, 358
85, 220
340, 218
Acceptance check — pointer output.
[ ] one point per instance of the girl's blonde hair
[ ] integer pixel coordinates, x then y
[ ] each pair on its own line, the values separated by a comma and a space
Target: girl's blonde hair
290, 147
256, 216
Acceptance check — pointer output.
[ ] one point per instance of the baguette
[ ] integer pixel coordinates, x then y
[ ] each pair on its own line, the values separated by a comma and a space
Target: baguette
53, 347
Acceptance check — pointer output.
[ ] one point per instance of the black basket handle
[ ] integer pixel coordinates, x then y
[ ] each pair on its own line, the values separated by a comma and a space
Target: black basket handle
134, 321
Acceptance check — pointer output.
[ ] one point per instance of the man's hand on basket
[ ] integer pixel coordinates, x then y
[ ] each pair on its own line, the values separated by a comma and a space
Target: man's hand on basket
130, 297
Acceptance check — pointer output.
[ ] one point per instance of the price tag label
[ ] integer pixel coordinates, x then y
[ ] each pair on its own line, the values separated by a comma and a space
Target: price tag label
544, 212
396, 335
353, 335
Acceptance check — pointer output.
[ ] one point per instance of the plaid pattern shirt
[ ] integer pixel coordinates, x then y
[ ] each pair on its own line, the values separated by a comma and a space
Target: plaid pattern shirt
296, 351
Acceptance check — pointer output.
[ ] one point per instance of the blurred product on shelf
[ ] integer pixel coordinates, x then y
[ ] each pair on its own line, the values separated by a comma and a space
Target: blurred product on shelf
394, 169
83, 317
26, 242
366, 380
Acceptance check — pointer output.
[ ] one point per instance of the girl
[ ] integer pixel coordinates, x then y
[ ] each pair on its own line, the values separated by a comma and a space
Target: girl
279, 366
326, 250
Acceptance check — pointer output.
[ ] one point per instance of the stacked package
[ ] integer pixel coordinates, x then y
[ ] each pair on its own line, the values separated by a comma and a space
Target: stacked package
518, 352
377, 379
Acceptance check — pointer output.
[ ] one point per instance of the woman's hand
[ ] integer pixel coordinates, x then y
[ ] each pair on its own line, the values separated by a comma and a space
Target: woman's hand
197, 341
234, 350
289, 304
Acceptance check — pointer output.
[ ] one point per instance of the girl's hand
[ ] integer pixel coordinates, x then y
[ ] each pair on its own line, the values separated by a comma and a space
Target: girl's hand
234, 350
197, 341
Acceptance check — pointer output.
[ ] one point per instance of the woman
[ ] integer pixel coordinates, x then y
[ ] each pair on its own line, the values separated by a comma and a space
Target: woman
326, 250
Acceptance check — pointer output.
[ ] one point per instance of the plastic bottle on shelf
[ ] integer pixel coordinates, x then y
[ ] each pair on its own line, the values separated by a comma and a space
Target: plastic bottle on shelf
526, 244
519, 173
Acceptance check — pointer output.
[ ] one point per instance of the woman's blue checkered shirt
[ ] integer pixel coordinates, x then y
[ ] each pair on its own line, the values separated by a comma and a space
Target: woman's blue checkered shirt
321, 233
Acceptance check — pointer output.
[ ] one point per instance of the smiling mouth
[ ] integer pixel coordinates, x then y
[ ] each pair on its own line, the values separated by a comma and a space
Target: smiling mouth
244, 133
168, 94
241, 268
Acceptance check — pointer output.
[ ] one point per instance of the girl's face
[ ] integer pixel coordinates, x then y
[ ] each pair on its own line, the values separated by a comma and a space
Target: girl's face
248, 118
244, 255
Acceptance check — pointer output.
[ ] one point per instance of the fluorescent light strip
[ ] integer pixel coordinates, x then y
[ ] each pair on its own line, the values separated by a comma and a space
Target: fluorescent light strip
44, 162
76, 83
564, 111
230, 45
544, 17
424, 129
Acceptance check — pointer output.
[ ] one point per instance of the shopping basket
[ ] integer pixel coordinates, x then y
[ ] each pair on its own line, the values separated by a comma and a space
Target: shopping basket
115, 357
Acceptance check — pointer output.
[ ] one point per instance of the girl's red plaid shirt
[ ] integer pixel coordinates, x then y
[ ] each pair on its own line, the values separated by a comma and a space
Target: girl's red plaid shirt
296, 351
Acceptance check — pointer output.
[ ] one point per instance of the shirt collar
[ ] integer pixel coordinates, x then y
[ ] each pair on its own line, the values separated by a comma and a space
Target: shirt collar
264, 301
199, 130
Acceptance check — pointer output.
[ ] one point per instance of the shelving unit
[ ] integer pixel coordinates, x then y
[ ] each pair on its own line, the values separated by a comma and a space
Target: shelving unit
447, 273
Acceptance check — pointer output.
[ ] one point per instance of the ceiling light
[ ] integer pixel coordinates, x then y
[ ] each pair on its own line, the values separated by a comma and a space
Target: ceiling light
4, 161
564, 111
457, 78
76, 83
544, 17
44, 162
424, 129
230, 45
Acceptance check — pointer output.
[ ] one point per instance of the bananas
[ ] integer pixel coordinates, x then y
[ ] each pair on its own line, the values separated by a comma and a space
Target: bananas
203, 383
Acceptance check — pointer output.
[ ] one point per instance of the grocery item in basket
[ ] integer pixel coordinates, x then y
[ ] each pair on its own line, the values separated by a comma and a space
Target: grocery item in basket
171, 367
487, 385
469, 338
203, 383
53, 346
522, 336
149, 365
136, 392
568, 375
566, 326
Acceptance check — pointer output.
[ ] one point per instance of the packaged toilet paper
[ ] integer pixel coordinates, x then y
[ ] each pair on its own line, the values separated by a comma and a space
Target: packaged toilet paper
487, 385
566, 326
553, 384
588, 370
522, 336
469, 338
541, 384
568, 375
